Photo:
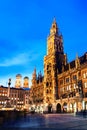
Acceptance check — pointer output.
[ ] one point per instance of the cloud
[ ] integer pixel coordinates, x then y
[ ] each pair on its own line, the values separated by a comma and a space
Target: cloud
19, 59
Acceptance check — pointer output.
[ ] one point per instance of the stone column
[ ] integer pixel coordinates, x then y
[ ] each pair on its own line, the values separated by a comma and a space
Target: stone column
9, 83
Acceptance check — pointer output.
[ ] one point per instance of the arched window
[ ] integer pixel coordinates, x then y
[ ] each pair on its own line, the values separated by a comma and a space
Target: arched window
47, 84
47, 91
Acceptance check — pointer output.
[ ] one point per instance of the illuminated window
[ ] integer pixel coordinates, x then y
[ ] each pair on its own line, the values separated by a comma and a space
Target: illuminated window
69, 87
85, 85
63, 89
85, 75
74, 85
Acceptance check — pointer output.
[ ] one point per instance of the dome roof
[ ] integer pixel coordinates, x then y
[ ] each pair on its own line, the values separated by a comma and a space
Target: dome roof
18, 75
26, 77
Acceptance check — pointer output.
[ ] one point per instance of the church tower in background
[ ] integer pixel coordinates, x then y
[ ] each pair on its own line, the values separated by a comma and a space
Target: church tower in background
26, 82
18, 82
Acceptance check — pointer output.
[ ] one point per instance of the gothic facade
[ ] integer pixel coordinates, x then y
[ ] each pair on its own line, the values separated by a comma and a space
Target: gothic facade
64, 85
37, 88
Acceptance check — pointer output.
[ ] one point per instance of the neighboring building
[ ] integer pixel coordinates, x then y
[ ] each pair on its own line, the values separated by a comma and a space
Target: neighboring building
18, 97
3, 95
37, 89
26, 98
72, 85
64, 86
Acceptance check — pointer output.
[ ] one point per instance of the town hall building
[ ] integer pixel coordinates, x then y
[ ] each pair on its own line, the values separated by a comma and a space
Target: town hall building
63, 88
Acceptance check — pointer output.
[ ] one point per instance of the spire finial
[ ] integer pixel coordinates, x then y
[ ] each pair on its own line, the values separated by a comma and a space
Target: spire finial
54, 28
77, 61
54, 19
35, 70
76, 55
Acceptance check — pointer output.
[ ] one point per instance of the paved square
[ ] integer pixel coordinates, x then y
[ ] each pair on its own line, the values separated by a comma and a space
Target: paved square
49, 121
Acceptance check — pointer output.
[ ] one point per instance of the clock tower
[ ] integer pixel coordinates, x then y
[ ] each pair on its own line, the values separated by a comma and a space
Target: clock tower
53, 62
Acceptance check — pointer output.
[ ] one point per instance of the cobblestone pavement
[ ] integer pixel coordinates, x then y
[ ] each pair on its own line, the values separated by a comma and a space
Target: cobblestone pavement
49, 121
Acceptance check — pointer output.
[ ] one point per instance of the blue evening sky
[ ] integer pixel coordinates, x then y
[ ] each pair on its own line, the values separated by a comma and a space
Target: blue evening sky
24, 27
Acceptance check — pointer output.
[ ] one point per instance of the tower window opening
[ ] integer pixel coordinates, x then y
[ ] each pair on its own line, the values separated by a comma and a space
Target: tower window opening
47, 91
53, 26
47, 84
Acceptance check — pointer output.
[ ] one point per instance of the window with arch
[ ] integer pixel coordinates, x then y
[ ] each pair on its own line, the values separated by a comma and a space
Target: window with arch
47, 91
47, 84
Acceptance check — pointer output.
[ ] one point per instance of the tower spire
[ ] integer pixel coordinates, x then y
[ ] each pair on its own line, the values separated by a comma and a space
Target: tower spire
54, 28
77, 61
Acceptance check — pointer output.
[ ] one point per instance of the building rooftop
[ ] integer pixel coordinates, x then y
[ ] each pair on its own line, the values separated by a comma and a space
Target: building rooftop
82, 60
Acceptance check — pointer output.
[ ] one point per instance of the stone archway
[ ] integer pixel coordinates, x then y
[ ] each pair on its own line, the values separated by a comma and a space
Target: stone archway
50, 108
64, 107
58, 108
